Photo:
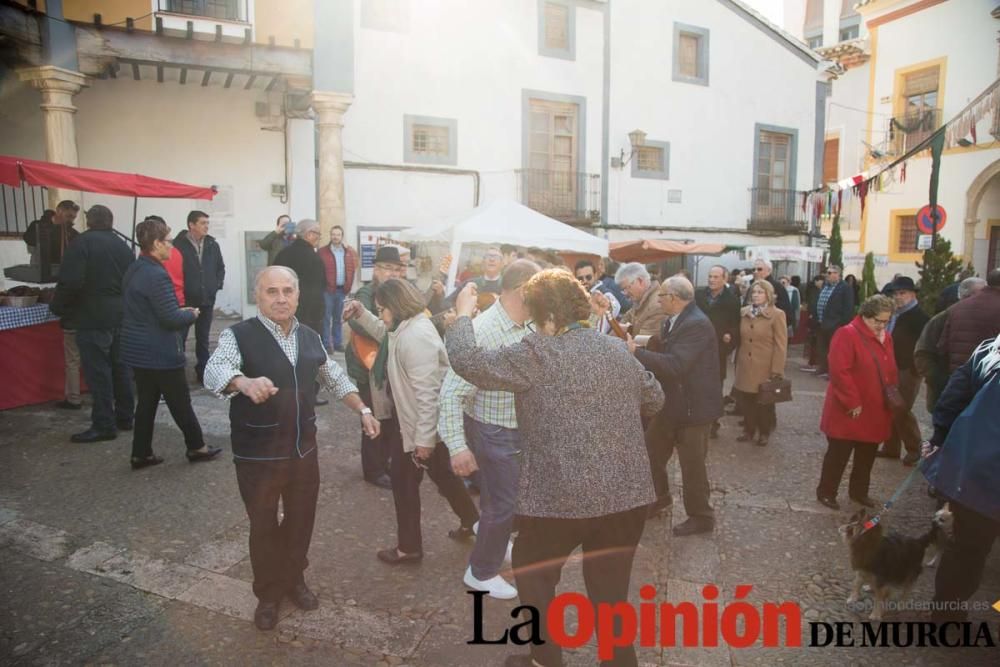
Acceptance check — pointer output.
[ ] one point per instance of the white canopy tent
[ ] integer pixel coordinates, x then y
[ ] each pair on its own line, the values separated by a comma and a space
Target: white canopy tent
506, 221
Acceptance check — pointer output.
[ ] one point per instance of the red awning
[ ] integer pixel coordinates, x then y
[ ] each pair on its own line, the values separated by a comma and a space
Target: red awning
655, 250
52, 175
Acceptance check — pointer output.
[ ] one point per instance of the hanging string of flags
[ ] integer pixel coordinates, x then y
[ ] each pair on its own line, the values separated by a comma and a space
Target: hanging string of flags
827, 199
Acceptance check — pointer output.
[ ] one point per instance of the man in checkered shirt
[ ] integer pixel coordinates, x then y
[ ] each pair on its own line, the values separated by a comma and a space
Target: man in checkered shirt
489, 421
268, 368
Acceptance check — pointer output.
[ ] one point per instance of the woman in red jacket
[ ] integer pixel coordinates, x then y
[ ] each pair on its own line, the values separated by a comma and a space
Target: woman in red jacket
856, 417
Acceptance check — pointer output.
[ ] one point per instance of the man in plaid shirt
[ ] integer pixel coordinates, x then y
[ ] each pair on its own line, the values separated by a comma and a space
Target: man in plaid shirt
489, 421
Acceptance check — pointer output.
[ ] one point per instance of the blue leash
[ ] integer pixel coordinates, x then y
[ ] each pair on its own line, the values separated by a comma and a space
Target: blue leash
874, 521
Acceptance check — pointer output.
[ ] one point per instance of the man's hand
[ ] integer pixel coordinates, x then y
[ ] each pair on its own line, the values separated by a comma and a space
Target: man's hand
281, 226
257, 390
928, 450
855, 413
370, 426
192, 310
599, 304
423, 453
463, 464
352, 310
726, 338
465, 302
437, 287
630, 342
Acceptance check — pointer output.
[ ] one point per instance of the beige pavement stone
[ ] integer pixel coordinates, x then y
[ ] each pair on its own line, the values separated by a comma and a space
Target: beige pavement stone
34, 539
91, 557
160, 577
222, 553
225, 595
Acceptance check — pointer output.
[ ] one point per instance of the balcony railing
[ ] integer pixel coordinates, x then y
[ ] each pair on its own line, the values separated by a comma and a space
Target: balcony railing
572, 197
226, 10
776, 211
908, 130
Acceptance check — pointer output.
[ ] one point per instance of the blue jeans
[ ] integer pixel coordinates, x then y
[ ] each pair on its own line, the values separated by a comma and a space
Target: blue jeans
109, 379
497, 450
331, 319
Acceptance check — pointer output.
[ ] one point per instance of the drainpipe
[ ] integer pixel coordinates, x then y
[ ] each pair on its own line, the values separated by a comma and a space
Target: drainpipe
427, 170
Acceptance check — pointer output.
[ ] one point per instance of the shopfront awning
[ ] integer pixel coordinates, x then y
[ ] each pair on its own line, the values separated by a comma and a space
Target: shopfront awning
14, 170
657, 250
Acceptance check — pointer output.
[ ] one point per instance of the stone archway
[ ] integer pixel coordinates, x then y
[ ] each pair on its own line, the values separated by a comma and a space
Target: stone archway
974, 197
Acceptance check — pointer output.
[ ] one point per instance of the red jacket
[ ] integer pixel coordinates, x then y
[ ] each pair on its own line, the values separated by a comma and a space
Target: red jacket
330, 263
175, 269
854, 381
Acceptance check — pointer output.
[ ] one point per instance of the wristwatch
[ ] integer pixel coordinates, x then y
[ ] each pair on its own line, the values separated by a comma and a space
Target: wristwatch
365, 411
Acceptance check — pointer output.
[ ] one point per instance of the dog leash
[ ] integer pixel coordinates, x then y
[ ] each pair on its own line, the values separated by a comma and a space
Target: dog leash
874, 520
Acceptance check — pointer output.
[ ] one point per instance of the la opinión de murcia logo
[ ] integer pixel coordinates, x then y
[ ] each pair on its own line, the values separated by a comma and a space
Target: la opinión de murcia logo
738, 624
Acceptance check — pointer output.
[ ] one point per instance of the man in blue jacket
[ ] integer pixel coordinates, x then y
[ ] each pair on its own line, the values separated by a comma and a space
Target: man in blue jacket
834, 308
204, 274
90, 288
688, 370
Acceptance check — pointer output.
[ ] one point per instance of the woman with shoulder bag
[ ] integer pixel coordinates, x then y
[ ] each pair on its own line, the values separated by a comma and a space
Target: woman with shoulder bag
760, 358
858, 410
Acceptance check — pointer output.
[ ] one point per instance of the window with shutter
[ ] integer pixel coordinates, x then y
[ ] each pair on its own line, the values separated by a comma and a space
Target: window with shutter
831, 160
690, 54
556, 26
906, 238
687, 51
430, 140
917, 113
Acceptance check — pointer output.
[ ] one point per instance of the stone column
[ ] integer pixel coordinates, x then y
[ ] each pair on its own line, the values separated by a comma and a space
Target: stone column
330, 108
969, 238
58, 86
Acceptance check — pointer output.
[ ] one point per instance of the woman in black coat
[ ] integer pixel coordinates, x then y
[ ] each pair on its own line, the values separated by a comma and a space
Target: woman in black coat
153, 345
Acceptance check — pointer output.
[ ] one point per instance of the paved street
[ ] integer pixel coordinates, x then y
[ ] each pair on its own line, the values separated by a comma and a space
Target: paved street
103, 565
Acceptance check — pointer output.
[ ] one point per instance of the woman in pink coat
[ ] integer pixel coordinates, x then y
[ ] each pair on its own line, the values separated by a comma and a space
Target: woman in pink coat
856, 416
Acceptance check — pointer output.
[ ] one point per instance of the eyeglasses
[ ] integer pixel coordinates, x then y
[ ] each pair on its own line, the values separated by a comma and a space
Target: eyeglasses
880, 322
588, 276
758, 269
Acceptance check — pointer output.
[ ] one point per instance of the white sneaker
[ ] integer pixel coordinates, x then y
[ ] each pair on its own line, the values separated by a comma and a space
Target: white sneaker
497, 586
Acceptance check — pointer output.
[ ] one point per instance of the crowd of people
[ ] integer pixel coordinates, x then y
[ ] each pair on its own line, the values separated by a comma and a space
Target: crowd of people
480, 387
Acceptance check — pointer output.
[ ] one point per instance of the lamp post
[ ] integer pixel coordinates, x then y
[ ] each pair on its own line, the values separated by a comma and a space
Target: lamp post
637, 139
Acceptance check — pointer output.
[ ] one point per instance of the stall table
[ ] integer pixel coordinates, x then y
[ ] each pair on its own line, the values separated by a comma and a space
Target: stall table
32, 366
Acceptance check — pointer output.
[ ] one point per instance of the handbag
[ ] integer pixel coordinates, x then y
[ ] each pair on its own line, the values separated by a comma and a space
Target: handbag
893, 397
775, 390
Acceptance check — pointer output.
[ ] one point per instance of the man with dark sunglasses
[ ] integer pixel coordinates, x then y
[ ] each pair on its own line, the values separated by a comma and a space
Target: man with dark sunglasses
834, 308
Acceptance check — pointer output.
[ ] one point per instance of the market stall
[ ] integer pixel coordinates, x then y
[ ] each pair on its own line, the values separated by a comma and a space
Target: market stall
31, 340
647, 251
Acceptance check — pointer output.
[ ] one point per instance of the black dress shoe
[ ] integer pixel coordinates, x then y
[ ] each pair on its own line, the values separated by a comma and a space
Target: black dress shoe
196, 456
303, 598
911, 459
714, 432
124, 425
265, 617
93, 435
382, 481
763, 440
694, 526
151, 460
867, 501
66, 405
392, 557
828, 501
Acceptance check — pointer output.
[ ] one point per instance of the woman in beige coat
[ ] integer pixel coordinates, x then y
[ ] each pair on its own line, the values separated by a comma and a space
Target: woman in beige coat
761, 356
410, 368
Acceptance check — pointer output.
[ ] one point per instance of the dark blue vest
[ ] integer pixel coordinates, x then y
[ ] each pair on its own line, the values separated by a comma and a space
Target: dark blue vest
284, 426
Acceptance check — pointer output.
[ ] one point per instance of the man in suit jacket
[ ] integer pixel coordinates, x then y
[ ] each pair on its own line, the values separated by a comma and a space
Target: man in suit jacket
687, 368
762, 270
204, 274
834, 308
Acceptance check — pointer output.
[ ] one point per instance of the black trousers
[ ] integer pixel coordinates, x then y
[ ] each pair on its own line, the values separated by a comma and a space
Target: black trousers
691, 444
406, 478
542, 547
757, 418
961, 568
109, 379
374, 453
823, 338
150, 384
838, 452
202, 327
278, 550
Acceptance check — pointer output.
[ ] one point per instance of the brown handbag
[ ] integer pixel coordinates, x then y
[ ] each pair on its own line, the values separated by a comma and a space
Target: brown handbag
775, 390
893, 397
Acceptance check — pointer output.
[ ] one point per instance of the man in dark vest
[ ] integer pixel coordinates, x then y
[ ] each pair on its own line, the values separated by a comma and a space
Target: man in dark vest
269, 367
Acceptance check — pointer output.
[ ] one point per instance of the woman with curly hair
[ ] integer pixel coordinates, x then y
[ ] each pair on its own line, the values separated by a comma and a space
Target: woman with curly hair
585, 476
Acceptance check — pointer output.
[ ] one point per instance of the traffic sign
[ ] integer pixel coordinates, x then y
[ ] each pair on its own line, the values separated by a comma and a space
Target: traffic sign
925, 223
925, 241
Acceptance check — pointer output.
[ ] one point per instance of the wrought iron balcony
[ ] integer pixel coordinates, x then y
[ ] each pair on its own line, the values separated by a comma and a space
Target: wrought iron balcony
776, 211
572, 197
226, 10
910, 129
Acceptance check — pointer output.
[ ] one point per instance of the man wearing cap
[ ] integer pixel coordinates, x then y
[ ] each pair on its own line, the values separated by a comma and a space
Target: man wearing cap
90, 290
374, 453
905, 326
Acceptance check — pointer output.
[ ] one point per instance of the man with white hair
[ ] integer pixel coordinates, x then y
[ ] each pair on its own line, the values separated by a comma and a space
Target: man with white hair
263, 366
645, 315
762, 270
688, 370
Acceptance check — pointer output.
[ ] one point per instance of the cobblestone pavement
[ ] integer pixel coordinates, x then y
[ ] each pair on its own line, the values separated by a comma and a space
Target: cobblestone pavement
103, 565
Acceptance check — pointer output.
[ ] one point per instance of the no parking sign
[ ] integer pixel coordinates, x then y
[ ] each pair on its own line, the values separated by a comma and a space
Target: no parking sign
926, 222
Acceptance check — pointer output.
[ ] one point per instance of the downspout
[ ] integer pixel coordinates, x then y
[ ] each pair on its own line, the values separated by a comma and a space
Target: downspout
606, 119
375, 166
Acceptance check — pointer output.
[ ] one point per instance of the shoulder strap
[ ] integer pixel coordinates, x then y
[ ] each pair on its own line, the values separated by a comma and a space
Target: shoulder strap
878, 366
